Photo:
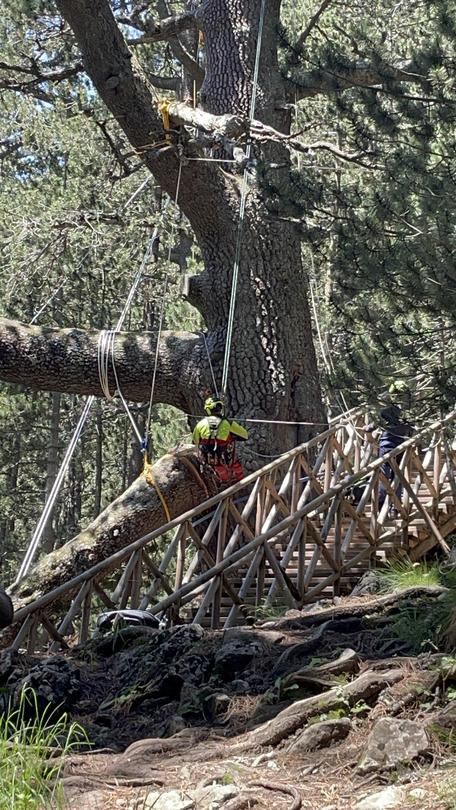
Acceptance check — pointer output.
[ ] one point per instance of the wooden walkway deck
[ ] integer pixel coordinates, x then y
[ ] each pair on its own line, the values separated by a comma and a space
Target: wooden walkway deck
305, 526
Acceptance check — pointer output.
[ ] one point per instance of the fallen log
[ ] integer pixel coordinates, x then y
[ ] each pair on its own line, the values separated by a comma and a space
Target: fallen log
136, 512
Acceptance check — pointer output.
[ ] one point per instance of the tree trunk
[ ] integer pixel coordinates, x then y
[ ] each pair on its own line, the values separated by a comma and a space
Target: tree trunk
272, 372
137, 511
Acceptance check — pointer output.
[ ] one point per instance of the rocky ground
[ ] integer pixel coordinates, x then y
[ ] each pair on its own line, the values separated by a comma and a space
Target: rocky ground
322, 709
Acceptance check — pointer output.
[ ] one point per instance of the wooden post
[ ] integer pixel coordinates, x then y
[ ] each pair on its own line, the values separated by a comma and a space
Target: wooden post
180, 562
338, 545
136, 581
31, 641
23, 632
85, 617
221, 538
437, 466
259, 591
71, 614
302, 559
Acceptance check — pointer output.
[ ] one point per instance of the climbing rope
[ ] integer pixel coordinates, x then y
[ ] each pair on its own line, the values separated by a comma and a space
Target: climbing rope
216, 391
144, 442
244, 190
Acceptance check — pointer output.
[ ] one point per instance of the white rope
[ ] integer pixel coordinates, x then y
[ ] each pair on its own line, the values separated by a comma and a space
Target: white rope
137, 192
28, 559
46, 303
154, 375
216, 391
162, 316
245, 181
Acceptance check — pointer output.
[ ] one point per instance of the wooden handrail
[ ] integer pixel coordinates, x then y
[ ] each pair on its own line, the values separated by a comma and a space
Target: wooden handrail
232, 558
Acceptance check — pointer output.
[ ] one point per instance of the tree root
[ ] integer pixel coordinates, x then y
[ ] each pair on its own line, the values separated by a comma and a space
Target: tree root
360, 607
366, 687
347, 662
292, 791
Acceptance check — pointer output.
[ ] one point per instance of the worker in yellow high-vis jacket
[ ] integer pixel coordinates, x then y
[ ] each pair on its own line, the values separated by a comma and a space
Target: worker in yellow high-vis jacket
216, 437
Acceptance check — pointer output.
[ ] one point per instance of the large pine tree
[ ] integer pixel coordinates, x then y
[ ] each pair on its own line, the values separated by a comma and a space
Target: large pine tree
123, 49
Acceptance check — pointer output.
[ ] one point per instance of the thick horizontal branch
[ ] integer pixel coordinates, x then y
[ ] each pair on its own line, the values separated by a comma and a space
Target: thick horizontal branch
123, 86
52, 359
361, 75
227, 126
165, 29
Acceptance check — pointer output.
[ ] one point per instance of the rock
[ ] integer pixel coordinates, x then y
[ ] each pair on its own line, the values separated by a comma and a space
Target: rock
384, 799
393, 742
175, 724
240, 687
272, 765
211, 797
446, 717
171, 800
56, 682
369, 583
236, 653
418, 793
320, 735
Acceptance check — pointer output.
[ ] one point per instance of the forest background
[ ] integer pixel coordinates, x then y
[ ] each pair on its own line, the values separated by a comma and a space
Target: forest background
376, 211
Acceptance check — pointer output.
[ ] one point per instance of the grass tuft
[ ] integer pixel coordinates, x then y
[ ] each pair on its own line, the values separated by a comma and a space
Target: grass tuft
29, 739
400, 574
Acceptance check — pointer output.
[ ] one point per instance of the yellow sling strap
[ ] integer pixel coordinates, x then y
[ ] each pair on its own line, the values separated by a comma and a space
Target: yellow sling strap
148, 473
191, 467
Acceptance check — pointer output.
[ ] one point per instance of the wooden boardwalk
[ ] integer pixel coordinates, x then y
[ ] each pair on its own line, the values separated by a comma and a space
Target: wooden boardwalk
305, 526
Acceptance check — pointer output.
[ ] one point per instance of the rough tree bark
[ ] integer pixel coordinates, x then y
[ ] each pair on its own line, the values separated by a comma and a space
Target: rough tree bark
273, 370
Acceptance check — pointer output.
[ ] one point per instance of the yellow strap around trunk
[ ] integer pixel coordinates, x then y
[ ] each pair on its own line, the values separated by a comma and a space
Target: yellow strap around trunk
148, 473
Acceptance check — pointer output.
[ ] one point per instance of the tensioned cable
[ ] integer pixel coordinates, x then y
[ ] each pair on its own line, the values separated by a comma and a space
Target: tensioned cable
49, 505
30, 553
245, 179
154, 375
145, 441
210, 366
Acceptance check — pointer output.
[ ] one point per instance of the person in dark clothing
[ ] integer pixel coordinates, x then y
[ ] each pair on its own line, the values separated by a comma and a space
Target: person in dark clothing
394, 431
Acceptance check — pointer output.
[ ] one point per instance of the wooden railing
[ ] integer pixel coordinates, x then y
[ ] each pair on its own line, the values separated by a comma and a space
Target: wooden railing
293, 528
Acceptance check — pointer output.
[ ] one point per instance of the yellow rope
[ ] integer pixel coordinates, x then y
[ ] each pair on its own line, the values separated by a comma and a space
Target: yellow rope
164, 111
148, 473
191, 467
